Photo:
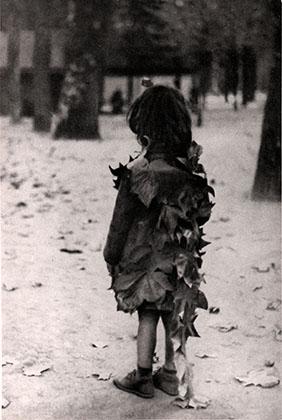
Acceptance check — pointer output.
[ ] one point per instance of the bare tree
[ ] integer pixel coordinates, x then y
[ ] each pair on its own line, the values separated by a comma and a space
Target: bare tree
14, 70
267, 183
87, 26
41, 62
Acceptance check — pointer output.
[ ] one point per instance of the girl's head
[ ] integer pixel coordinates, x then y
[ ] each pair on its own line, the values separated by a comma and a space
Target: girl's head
160, 119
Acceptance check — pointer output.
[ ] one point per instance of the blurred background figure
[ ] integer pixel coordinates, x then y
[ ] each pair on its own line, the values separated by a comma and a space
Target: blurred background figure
117, 102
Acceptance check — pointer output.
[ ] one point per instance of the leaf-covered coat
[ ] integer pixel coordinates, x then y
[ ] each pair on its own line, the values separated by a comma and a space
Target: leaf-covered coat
155, 237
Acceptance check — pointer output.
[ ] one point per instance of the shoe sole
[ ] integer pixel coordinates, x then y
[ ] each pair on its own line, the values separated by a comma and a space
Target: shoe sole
131, 391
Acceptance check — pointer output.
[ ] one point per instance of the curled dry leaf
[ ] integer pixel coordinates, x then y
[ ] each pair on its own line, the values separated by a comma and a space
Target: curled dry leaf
257, 288
224, 219
21, 204
36, 284
273, 306
196, 402
214, 310
6, 360
8, 288
102, 376
269, 363
260, 269
261, 377
71, 251
205, 356
225, 328
35, 370
99, 345
5, 402
277, 333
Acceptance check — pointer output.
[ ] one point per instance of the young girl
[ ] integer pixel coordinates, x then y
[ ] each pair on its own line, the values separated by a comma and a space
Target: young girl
153, 249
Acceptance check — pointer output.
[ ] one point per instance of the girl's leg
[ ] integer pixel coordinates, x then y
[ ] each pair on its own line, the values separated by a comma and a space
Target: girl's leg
166, 377
147, 337
169, 352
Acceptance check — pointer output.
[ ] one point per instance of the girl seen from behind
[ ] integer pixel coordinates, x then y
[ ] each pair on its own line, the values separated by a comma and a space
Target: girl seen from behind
155, 241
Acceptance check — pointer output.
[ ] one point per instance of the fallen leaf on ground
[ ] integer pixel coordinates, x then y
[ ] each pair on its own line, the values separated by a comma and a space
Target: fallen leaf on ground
99, 344
273, 306
205, 356
261, 270
214, 310
16, 184
71, 251
5, 402
36, 284
225, 328
35, 370
102, 376
49, 194
6, 360
269, 363
196, 402
224, 219
8, 288
257, 288
277, 333
21, 204
260, 377
37, 184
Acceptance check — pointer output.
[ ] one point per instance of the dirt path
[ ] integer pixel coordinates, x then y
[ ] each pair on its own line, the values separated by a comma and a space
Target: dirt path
58, 195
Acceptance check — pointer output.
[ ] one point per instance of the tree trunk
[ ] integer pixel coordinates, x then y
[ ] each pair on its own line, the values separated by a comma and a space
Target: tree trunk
249, 74
41, 61
14, 70
101, 88
267, 183
83, 84
231, 72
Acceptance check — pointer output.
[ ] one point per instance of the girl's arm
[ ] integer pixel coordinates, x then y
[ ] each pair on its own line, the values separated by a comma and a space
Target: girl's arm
127, 204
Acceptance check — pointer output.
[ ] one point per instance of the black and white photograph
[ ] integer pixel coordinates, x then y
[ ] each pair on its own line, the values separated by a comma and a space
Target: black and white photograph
141, 209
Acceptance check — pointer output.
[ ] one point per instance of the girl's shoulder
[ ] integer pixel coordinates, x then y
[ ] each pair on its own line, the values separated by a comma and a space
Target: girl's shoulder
162, 178
166, 181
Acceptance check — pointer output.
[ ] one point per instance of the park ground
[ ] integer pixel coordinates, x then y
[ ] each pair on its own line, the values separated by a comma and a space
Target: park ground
59, 317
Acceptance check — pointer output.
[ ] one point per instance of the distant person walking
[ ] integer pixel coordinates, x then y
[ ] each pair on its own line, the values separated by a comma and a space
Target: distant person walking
117, 102
153, 249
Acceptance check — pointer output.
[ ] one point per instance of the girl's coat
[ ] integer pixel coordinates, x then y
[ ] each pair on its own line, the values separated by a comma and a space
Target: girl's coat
155, 238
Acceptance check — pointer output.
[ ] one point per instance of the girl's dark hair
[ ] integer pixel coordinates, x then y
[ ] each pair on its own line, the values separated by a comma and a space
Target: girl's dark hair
161, 114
